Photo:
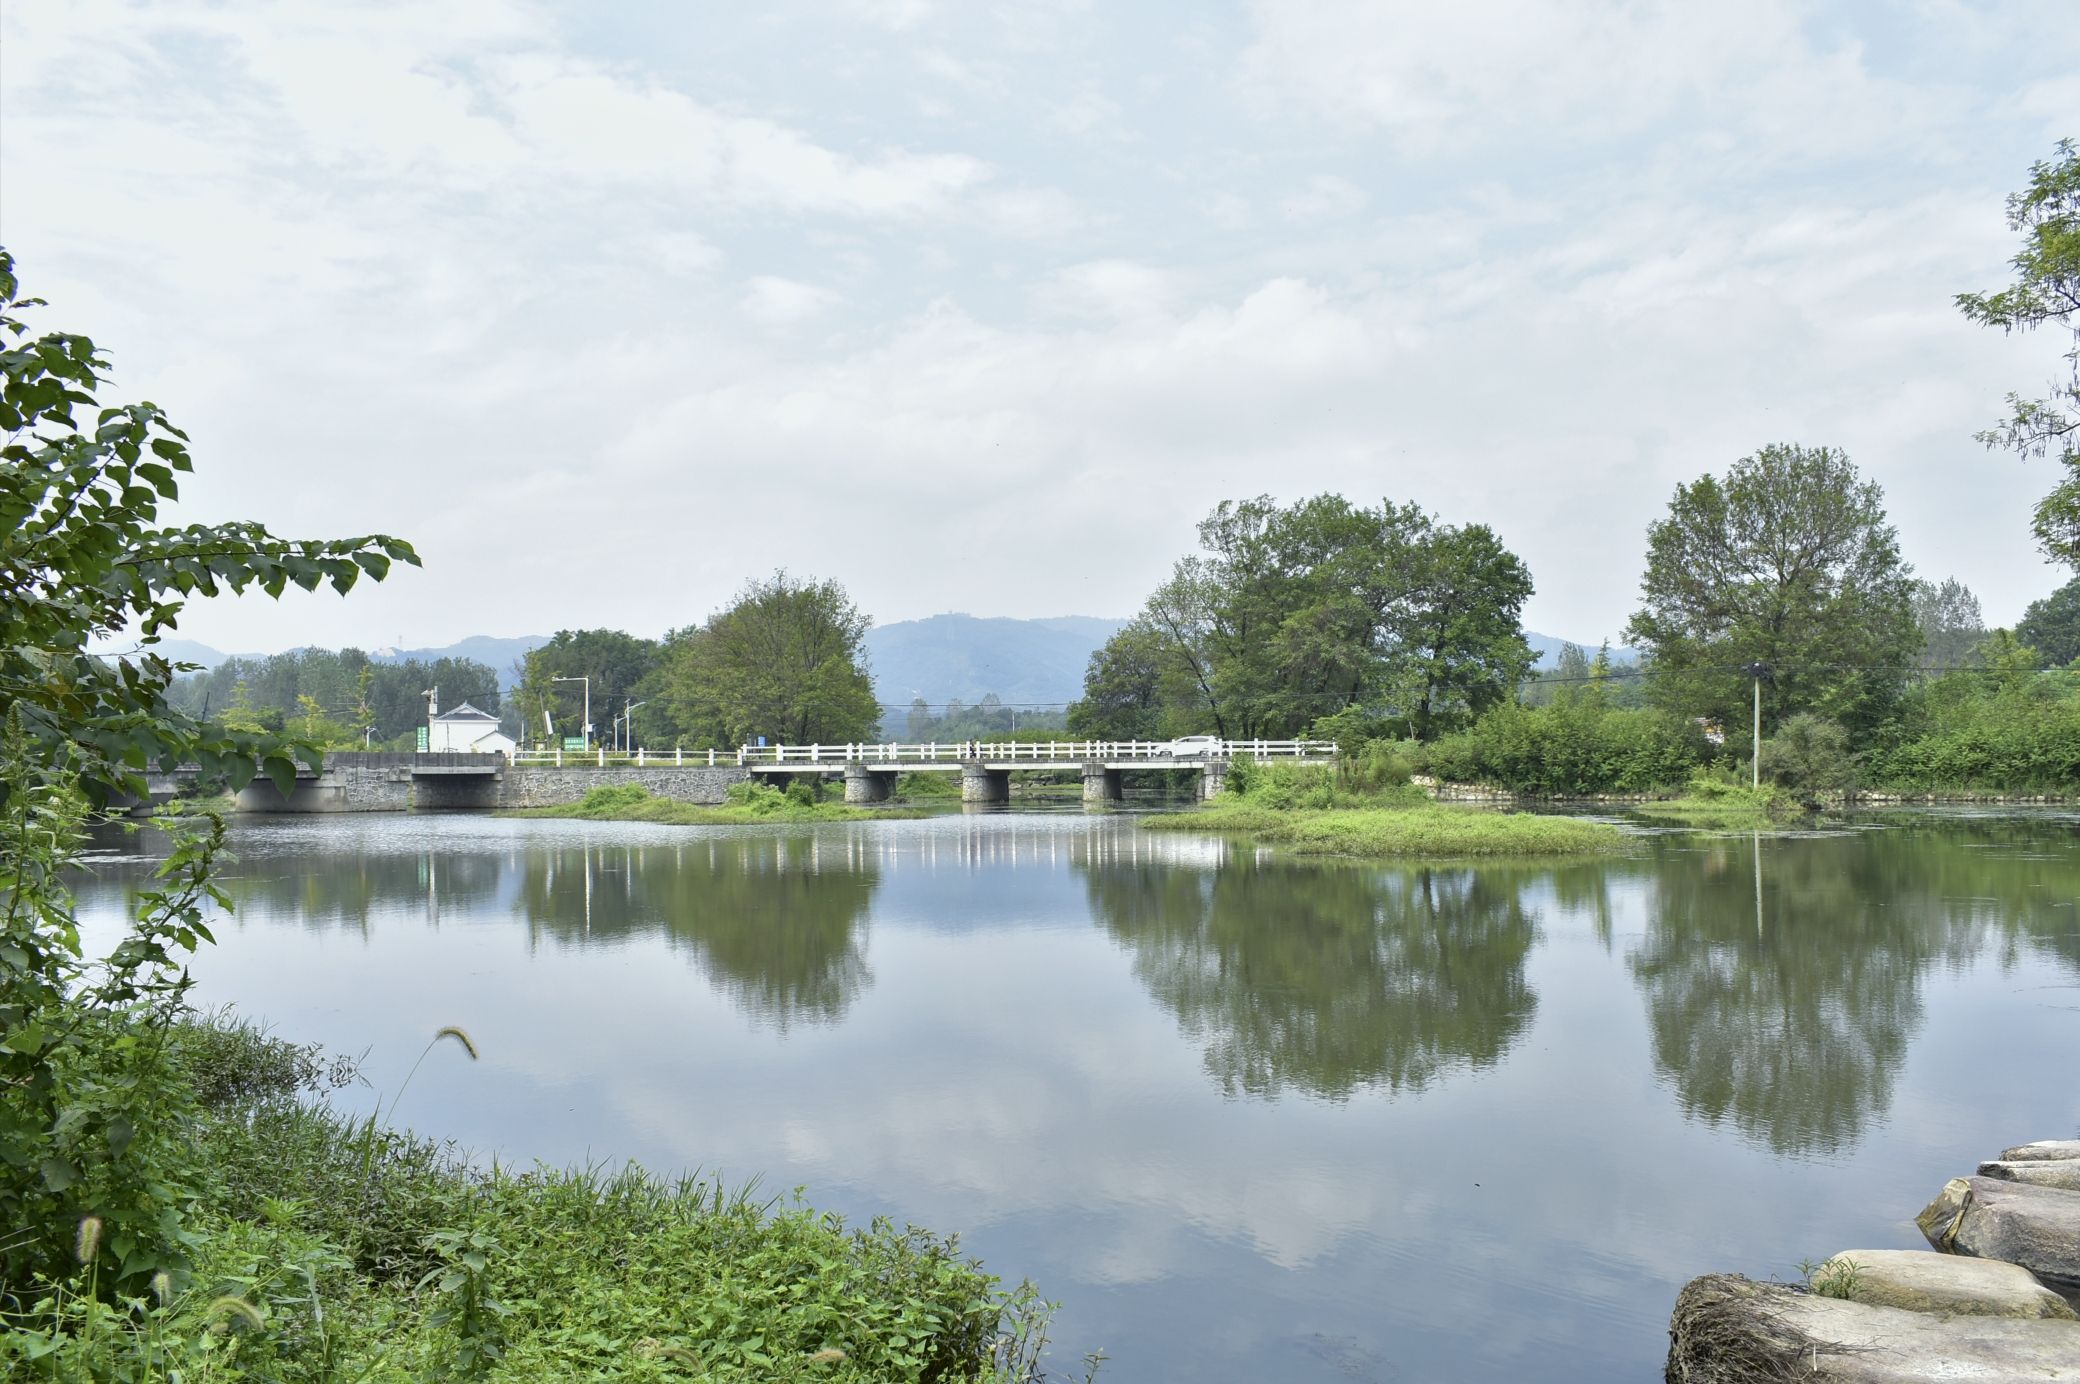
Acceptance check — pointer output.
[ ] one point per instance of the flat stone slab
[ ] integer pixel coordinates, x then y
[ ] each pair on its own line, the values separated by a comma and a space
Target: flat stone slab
1727, 1328
2063, 1173
2042, 1150
1920, 1280
2036, 1227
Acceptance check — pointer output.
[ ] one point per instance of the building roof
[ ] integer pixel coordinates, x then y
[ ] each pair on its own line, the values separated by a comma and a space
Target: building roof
465, 712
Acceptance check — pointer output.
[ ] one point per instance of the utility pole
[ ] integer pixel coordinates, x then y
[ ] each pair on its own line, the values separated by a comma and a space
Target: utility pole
1757, 671
628, 721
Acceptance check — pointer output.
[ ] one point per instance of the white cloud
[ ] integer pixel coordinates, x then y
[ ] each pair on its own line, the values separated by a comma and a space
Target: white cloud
481, 243
775, 302
1448, 77
1324, 197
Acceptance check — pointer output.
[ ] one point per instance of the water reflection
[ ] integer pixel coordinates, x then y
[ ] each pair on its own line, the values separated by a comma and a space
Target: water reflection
1325, 979
1783, 978
777, 923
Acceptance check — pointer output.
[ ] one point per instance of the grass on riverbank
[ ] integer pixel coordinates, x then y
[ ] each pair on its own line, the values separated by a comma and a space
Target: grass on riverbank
749, 804
328, 1248
1719, 804
1312, 812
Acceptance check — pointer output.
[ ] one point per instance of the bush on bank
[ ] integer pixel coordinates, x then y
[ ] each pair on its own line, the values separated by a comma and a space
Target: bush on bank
327, 1248
1576, 746
2005, 728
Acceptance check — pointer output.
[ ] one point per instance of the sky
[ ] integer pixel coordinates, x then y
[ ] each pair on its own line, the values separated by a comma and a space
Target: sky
981, 307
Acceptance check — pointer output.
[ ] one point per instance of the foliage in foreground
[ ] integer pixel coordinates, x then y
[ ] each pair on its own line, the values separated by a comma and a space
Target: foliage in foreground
331, 1248
1305, 810
2045, 293
749, 804
88, 1127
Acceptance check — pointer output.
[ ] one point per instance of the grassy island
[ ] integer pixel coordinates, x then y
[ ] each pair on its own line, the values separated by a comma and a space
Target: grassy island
748, 804
1319, 811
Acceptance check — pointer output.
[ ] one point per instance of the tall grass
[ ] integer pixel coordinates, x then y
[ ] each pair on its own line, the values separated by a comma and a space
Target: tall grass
327, 1249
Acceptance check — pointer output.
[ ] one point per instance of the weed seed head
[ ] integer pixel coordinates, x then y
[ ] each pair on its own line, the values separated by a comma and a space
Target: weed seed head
89, 1242
162, 1287
450, 1031
829, 1355
229, 1309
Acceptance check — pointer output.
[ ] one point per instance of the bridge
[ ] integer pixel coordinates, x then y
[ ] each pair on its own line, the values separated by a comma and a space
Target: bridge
386, 781
985, 767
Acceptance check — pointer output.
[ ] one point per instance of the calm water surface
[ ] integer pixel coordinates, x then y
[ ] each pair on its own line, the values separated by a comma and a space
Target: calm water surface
1246, 1118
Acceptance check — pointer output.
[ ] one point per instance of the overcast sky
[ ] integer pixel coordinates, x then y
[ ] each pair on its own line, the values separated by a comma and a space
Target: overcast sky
981, 306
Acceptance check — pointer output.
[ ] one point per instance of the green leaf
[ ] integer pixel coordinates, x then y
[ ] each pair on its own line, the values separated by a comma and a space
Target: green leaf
57, 1174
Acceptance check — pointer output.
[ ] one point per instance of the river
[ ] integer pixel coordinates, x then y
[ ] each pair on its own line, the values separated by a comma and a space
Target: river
1246, 1118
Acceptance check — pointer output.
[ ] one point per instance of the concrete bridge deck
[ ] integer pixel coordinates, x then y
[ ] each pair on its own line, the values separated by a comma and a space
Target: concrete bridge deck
390, 781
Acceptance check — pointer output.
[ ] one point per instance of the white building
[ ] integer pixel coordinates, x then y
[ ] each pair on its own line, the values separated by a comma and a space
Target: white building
466, 728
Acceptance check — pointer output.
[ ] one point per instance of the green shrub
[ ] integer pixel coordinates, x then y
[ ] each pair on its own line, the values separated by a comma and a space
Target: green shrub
1809, 756
1575, 746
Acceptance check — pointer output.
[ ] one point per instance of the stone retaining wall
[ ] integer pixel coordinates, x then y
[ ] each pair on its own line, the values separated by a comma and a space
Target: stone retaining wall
543, 785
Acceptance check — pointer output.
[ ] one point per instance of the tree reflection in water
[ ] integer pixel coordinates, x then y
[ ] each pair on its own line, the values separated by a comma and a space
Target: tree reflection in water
1783, 977
775, 922
1326, 979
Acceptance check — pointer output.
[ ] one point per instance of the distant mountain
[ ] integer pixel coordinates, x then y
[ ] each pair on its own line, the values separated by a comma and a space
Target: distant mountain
965, 657
1547, 649
942, 658
500, 654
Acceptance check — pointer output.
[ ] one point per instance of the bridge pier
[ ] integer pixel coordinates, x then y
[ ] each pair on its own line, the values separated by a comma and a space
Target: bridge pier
1212, 779
1102, 786
982, 784
864, 786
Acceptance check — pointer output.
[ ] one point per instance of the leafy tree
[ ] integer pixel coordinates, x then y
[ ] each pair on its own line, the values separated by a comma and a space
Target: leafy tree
2046, 292
1124, 685
349, 688
2052, 625
786, 660
1290, 614
1462, 642
92, 1117
1950, 623
1788, 562
616, 663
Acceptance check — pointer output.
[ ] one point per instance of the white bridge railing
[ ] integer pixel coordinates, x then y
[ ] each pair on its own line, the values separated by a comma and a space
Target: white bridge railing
1154, 753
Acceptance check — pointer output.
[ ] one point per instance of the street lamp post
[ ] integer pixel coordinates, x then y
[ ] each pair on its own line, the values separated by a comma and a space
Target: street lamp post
588, 705
628, 725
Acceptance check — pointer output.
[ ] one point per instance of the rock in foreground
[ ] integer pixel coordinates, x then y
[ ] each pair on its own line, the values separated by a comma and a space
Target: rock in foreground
2042, 1150
2036, 1227
1919, 1280
2063, 1173
1728, 1328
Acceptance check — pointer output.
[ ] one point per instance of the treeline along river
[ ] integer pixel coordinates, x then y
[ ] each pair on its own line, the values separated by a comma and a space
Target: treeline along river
1246, 1118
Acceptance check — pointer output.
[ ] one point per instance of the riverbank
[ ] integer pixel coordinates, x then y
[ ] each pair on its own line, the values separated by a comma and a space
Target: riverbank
329, 1247
748, 804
